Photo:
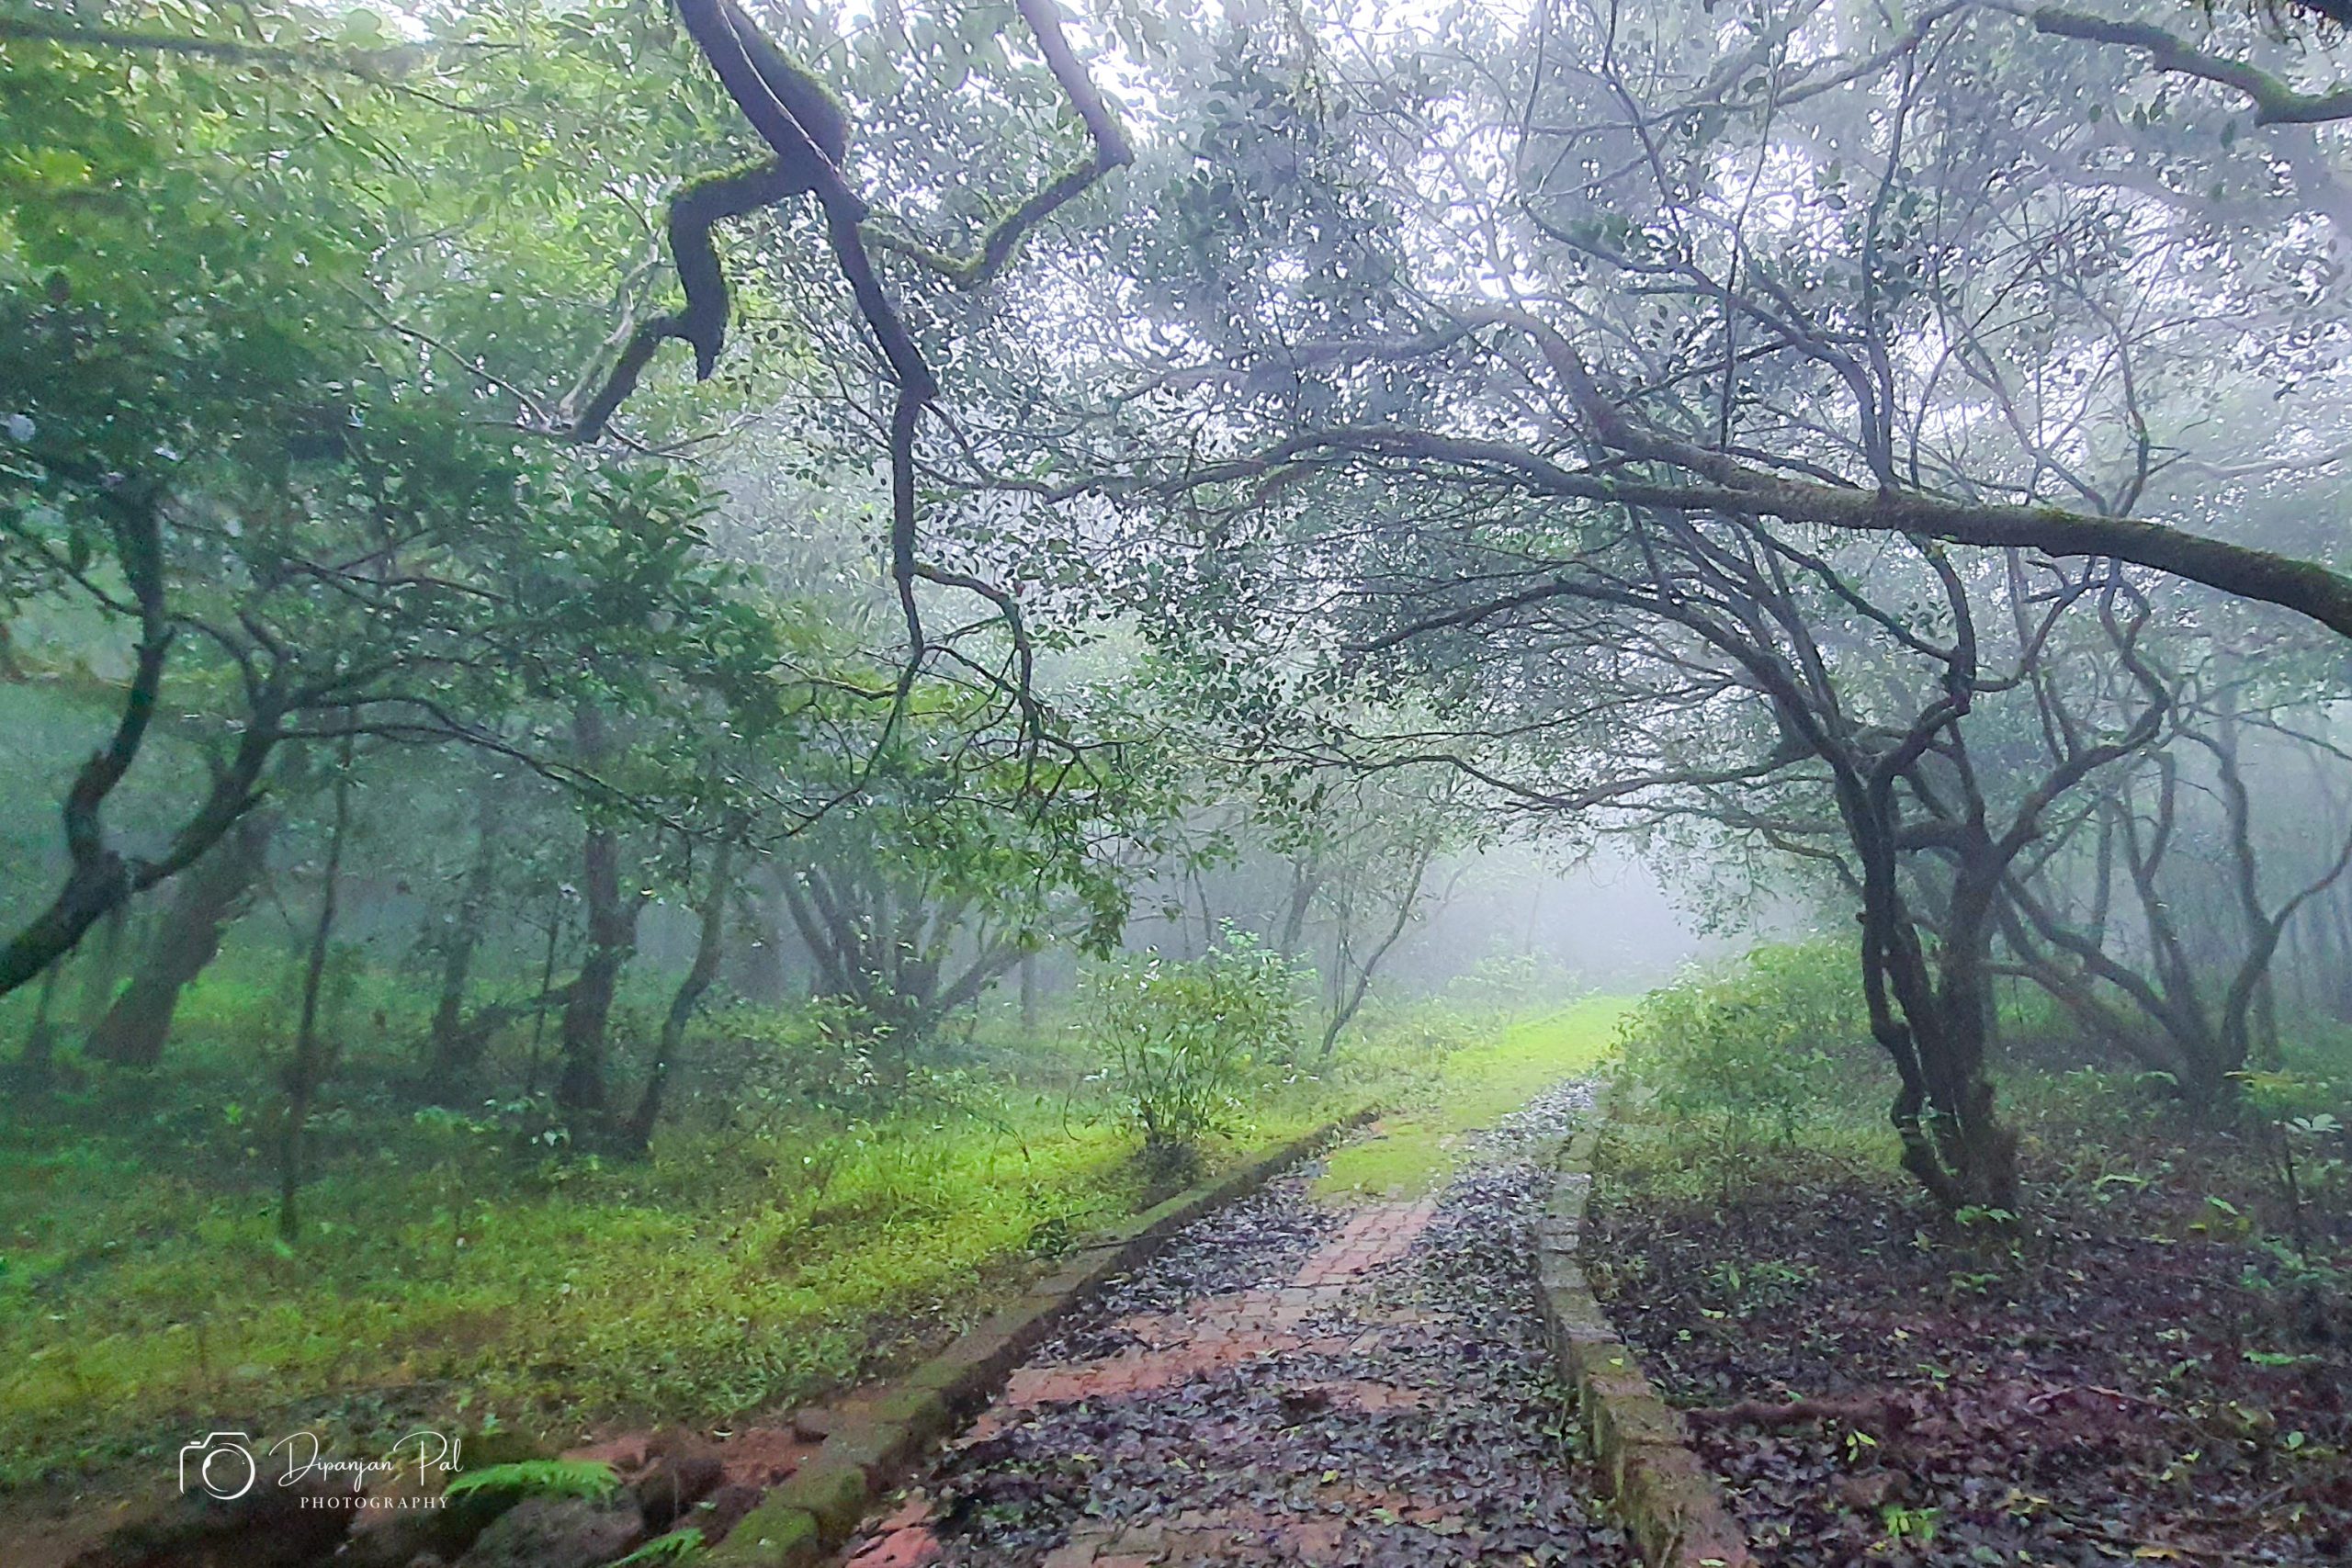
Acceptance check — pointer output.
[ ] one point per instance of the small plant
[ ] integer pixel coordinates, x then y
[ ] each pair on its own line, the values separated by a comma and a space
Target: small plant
1910, 1524
674, 1547
1858, 1445
1186, 1038
541, 1478
1761, 1284
2294, 1110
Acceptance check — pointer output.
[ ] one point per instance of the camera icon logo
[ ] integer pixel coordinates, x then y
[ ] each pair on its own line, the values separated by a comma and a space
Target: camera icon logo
220, 1465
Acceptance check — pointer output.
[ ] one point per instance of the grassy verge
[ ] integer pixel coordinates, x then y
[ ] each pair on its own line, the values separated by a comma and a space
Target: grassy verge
769, 1252
1469, 1089
137, 1305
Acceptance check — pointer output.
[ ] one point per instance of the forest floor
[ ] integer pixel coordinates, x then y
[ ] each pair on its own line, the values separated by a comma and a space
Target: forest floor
2131, 1376
1350, 1376
150, 1307
145, 1298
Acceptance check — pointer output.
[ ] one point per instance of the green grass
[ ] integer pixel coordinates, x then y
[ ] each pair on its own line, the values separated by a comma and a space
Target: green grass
770, 1250
731, 1271
1471, 1090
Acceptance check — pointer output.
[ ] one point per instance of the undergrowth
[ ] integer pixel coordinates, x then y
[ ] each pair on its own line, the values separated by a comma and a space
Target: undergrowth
776, 1245
1763, 1075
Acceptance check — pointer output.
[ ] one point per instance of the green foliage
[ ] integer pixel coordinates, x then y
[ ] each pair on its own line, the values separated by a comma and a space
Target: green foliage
1513, 981
1762, 1285
2304, 1135
541, 1478
778, 1242
675, 1546
1763, 1044
2302, 1103
1187, 1040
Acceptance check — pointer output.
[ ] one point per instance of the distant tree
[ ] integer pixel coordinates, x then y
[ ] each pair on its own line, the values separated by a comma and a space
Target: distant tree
934, 877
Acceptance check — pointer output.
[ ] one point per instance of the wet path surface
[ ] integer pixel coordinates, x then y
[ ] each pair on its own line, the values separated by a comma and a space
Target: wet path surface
1290, 1381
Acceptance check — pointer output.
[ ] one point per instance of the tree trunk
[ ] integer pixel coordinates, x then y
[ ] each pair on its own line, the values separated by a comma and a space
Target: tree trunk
105, 972
1348, 1003
302, 1074
1303, 880
1981, 1152
1932, 1024
580, 1090
708, 948
207, 899
2339, 908
763, 975
546, 984
1028, 992
456, 1048
611, 937
33, 1062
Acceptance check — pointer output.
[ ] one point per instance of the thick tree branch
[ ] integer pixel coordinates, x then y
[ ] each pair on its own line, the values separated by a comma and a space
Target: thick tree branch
2274, 103
1002, 242
1733, 488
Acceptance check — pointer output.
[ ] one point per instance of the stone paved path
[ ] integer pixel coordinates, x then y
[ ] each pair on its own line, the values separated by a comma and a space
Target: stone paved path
1289, 1381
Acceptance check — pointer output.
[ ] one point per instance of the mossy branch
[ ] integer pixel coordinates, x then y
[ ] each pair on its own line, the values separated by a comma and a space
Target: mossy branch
2274, 103
698, 207
809, 131
1112, 150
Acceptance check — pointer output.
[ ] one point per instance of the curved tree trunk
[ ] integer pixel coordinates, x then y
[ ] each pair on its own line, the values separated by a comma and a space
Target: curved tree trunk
580, 1091
207, 899
708, 948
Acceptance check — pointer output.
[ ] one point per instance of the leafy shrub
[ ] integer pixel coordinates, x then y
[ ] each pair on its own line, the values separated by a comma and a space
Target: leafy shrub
1187, 1040
1404, 1044
1768, 1043
816, 1057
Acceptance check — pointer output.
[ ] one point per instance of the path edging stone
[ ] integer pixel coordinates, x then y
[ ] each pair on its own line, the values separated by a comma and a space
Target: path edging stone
1669, 1501
820, 1506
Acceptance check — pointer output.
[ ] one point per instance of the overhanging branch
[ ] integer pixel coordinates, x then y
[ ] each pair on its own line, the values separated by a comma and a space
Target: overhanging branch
2275, 102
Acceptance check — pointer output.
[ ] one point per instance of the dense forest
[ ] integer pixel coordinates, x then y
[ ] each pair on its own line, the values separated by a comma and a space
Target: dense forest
688, 683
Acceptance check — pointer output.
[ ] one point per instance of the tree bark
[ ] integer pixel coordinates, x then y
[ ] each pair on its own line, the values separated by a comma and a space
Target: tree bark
304, 1071
104, 973
33, 1062
580, 1091
456, 1047
763, 977
709, 947
207, 899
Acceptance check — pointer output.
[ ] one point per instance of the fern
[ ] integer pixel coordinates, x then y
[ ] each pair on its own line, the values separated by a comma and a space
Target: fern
542, 1477
675, 1546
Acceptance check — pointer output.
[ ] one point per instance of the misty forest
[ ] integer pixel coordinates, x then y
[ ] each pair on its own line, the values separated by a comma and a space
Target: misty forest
1039, 783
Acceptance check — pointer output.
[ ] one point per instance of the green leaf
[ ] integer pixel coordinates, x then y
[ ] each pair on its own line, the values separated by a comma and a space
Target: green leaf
541, 1477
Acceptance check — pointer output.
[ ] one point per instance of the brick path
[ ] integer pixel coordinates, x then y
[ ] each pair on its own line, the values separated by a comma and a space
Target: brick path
1230, 1330
1300, 1413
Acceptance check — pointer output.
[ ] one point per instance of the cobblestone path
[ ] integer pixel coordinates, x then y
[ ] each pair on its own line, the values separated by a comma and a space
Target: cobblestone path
1289, 1381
